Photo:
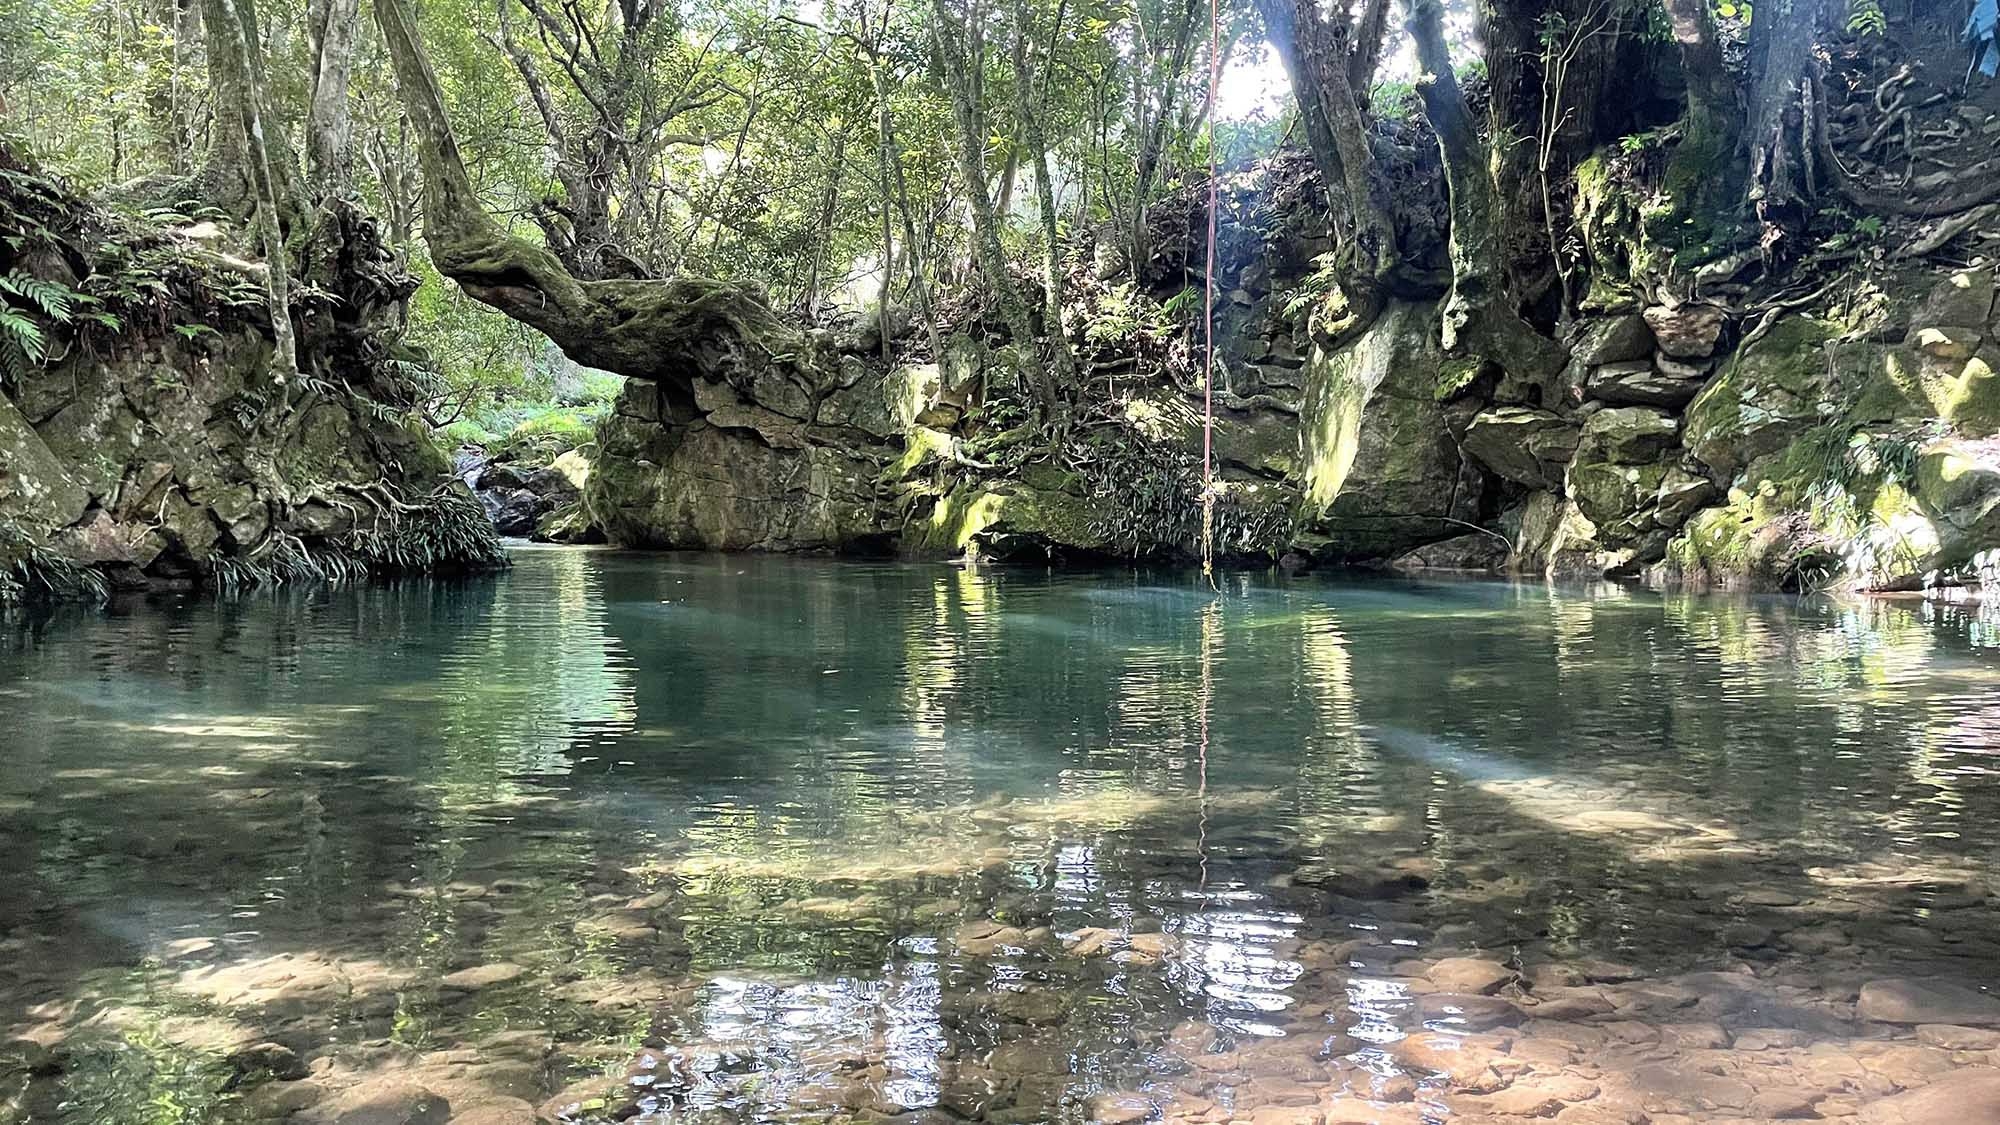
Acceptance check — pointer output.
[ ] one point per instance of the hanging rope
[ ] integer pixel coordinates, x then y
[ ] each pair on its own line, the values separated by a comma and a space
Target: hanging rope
1208, 317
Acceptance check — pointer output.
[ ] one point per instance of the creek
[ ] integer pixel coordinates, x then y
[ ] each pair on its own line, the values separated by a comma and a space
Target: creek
733, 838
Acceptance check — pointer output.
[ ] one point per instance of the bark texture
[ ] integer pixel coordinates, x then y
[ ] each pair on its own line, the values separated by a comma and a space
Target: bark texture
1479, 317
662, 331
1330, 62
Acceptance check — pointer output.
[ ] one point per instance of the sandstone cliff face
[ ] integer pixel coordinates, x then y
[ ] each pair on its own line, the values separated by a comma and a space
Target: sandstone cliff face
152, 444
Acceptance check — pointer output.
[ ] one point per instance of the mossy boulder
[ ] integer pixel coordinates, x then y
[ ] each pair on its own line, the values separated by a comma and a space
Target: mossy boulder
1379, 470
1629, 435
1963, 299
1958, 486
1616, 497
1769, 393
1612, 339
1523, 444
734, 479
36, 491
1010, 521
1752, 542
1827, 506
1962, 389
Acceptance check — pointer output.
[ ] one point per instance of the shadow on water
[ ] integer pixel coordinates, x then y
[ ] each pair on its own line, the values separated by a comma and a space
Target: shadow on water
901, 834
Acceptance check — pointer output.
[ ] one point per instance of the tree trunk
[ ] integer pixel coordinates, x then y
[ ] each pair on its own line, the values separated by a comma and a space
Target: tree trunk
1781, 123
224, 180
236, 27
1702, 174
229, 178
1479, 318
1153, 110
1321, 67
664, 331
328, 129
954, 70
1045, 196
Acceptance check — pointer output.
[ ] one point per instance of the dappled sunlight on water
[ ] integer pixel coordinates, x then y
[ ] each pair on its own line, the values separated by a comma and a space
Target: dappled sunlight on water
690, 837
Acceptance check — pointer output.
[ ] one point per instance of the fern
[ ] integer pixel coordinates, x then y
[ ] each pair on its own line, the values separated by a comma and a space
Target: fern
1182, 306
23, 334
52, 297
1866, 17
14, 363
1317, 284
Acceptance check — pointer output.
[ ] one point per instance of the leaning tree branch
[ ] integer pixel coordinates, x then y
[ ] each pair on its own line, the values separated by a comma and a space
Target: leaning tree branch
668, 331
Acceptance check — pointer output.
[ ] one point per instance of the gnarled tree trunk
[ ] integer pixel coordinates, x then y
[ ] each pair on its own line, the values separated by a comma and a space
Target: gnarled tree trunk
1328, 63
1783, 119
1703, 175
663, 331
1479, 316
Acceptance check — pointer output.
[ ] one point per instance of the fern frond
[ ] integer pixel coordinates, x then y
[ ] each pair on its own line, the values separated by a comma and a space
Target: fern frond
52, 297
23, 334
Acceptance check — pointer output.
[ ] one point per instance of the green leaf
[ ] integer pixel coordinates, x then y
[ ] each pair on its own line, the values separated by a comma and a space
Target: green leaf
25, 333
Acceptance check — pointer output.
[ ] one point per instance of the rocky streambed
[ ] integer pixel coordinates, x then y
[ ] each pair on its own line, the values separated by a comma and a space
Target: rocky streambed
1314, 995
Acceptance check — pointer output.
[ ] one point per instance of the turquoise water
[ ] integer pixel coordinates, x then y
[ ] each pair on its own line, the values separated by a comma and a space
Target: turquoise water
827, 840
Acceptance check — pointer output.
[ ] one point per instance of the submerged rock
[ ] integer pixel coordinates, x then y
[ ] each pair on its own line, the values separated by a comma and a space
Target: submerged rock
481, 977
388, 1100
1902, 1000
1957, 1100
1470, 975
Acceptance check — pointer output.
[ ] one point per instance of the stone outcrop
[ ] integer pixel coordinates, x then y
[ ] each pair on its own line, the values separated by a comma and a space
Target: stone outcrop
764, 465
1382, 469
1523, 444
1850, 455
534, 496
1344, 448
1669, 449
155, 445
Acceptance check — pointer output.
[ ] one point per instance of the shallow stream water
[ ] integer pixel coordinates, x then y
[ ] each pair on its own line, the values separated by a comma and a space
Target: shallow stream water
725, 839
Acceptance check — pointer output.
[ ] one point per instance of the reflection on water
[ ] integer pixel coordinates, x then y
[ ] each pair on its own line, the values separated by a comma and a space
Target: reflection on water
754, 839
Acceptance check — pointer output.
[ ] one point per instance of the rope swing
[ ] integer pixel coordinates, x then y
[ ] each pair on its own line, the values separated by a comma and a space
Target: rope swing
1208, 318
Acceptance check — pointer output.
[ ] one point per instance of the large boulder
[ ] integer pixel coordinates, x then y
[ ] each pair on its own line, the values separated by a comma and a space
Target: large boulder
1955, 374
36, 490
1379, 470
1614, 496
1629, 435
1612, 339
1475, 551
1958, 489
1523, 444
1964, 299
1016, 520
726, 473
1771, 392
